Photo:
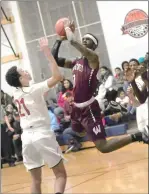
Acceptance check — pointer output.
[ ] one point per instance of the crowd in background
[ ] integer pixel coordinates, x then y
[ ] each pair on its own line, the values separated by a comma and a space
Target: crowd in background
115, 94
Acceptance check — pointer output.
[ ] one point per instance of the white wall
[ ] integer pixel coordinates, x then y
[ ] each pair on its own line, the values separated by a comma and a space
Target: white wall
121, 47
16, 37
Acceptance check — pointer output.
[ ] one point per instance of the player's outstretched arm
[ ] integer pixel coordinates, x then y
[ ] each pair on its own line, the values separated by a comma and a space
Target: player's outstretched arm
88, 53
56, 75
62, 62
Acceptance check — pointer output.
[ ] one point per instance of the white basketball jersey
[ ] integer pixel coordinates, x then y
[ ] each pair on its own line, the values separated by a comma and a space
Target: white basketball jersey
32, 106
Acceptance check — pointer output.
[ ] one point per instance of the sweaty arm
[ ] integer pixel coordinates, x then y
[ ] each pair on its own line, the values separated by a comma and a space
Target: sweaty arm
62, 62
88, 53
141, 95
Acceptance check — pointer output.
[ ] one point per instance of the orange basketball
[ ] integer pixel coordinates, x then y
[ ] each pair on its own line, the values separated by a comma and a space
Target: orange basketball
59, 27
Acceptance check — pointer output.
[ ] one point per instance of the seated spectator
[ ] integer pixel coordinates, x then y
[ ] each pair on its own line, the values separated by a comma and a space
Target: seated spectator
74, 142
125, 66
142, 97
54, 123
66, 87
123, 100
108, 84
6, 150
119, 77
5, 99
17, 137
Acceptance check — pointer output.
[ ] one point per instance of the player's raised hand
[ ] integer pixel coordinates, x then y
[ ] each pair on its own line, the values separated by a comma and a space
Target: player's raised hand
43, 43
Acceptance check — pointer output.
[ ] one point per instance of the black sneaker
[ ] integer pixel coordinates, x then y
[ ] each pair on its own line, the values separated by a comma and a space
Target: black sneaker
141, 136
20, 159
12, 164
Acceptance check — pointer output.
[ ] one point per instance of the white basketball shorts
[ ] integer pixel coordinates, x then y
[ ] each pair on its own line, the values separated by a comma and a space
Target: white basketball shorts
39, 147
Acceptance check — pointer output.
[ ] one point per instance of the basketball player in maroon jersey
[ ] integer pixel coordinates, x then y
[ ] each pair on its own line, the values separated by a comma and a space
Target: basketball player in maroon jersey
86, 113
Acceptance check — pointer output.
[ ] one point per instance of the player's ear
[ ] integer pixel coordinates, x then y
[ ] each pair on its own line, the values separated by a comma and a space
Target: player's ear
94, 46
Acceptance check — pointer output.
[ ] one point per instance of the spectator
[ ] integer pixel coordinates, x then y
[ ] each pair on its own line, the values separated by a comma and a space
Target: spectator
54, 123
123, 100
67, 86
119, 77
17, 137
5, 99
141, 61
142, 106
146, 60
74, 138
108, 83
134, 65
125, 66
6, 151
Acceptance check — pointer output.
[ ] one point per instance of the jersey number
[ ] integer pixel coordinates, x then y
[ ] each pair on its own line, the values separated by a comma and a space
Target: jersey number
21, 105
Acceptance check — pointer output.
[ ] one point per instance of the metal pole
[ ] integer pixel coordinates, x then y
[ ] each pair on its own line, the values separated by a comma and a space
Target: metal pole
9, 42
41, 18
5, 15
77, 20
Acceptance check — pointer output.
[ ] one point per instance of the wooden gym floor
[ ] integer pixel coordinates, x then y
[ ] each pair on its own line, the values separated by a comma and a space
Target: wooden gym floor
123, 171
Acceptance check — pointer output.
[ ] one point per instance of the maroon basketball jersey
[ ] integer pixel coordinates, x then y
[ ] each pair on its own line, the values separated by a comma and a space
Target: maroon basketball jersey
85, 80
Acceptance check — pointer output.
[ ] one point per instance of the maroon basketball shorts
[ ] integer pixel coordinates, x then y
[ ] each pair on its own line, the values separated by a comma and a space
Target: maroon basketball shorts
88, 119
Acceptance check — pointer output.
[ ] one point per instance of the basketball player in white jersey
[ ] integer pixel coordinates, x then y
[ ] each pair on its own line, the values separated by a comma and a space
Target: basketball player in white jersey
39, 144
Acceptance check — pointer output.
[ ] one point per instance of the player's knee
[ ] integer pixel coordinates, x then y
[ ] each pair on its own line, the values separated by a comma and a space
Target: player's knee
37, 181
101, 146
60, 171
102, 149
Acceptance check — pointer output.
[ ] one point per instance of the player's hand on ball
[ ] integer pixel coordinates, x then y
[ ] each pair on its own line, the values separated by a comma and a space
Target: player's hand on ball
69, 24
62, 38
72, 26
43, 42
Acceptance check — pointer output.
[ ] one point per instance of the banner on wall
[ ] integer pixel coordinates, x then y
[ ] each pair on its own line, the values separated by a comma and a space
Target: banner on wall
135, 23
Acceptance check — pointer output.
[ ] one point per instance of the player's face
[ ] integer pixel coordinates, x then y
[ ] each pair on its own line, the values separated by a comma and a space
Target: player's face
25, 77
133, 65
87, 42
66, 84
126, 66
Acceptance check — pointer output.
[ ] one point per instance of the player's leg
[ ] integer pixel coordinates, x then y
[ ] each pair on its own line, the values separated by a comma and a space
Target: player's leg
32, 161
36, 181
96, 131
116, 143
61, 177
52, 155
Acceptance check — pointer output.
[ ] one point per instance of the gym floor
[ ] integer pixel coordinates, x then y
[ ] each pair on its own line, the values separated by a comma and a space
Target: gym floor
123, 171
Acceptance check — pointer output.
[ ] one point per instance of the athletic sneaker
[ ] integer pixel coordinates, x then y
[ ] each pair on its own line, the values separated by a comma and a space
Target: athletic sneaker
142, 136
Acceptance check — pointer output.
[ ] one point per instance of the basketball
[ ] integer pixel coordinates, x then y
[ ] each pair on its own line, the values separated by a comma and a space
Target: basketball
59, 27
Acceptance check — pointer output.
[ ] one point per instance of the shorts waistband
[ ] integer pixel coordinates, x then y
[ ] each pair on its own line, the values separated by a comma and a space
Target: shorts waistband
84, 104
